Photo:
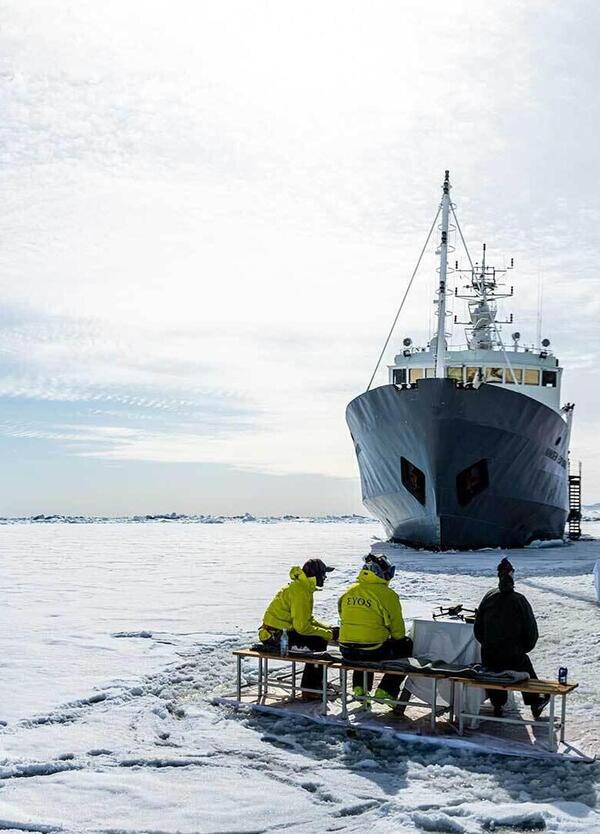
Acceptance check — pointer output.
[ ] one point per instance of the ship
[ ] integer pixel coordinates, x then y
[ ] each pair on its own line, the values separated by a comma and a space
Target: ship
466, 447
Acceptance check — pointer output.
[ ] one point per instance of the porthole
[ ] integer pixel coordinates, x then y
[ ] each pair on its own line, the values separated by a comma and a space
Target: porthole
413, 479
471, 481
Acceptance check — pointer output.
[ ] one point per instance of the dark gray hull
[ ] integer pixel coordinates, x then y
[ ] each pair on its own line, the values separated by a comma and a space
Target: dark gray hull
443, 429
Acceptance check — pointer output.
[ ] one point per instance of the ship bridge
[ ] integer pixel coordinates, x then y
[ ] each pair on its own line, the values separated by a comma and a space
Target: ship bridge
534, 373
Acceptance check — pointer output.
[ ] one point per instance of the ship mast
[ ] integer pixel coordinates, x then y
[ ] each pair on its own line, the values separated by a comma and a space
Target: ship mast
440, 340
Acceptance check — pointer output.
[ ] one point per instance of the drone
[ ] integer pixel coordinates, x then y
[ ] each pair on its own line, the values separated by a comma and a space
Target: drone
455, 612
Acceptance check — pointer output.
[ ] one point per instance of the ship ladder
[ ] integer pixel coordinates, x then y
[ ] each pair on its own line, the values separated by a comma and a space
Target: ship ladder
574, 517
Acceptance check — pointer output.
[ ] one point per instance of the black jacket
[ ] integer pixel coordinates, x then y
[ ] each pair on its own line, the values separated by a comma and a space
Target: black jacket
505, 622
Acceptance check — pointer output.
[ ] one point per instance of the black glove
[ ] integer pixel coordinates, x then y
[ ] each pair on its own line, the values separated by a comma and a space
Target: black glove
335, 633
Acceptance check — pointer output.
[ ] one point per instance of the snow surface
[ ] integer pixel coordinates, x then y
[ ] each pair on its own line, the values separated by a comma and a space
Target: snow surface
114, 638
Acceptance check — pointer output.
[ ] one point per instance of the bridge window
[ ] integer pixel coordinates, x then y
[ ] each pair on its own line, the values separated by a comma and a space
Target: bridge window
416, 373
471, 481
413, 479
430, 373
549, 379
493, 374
399, 376
455, 373
515, 375
471, 374
532, 376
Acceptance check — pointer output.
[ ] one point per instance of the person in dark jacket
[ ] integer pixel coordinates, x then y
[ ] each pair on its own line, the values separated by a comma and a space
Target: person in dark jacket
506, 627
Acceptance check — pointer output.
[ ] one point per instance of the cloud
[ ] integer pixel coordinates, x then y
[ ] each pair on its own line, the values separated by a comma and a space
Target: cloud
210, 212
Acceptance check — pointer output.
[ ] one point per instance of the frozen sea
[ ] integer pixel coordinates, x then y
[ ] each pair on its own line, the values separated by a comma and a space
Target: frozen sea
115, 637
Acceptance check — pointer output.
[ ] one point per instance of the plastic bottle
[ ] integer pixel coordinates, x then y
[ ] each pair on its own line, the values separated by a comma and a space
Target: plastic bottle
284, 643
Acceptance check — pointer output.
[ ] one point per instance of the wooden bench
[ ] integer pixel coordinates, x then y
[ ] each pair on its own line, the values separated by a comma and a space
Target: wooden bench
539, 687
287, 681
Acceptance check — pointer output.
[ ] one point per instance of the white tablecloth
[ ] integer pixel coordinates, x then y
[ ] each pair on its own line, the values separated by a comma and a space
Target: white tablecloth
449, 640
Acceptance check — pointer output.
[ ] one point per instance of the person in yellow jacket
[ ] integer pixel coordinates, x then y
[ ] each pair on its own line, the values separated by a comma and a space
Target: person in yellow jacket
292, 610
372, 626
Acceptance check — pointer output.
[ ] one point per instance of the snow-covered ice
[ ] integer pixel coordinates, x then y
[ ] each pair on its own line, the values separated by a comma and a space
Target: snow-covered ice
114, 638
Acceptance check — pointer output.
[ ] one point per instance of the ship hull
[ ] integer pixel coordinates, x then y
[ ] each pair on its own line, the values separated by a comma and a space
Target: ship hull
442, 429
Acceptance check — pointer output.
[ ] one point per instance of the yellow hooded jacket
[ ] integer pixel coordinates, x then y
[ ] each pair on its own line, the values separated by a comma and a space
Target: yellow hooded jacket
370, 612
292, 608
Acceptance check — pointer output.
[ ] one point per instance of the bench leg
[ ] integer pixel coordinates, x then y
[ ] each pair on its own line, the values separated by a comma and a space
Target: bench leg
239, 679
433, 704
260, 678
461, 689
563, 717
293, 680
324, 690
344, 684
551, 724
266, 674
451, 705
365, 703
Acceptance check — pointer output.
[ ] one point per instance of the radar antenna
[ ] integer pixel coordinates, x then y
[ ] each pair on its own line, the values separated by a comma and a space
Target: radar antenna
482, 294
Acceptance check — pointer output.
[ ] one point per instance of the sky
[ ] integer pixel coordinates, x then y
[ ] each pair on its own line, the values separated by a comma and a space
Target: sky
210, 211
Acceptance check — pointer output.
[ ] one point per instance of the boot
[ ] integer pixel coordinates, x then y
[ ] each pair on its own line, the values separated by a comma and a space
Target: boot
359, 692
537, 709
397, 709
381, 693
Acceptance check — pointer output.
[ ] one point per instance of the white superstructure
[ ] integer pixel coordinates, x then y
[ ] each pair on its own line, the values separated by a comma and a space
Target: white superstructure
534, 373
